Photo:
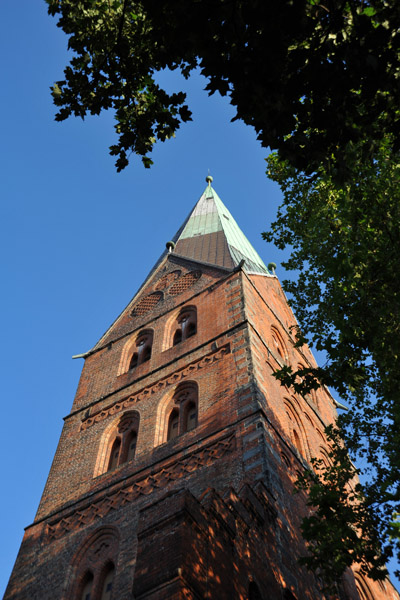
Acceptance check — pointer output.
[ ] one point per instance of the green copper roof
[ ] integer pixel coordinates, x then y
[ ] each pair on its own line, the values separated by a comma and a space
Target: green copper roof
210, 234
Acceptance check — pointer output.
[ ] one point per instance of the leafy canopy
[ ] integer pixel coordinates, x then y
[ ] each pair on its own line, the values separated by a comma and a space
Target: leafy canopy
345, 246
310, 77
341, 529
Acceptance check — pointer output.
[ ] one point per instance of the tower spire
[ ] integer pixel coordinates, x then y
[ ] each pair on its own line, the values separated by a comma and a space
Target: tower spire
211, 235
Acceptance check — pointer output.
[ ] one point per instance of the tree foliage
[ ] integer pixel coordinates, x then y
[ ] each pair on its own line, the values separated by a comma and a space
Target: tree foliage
345, 242
341, 529
309, 76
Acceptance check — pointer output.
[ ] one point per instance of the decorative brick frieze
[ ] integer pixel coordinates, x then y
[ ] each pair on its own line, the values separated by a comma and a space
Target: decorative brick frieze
172, 379
142, 486
184, 283
146, 304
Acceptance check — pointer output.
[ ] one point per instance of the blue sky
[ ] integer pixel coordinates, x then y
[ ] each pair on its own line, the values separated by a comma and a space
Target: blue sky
78, 238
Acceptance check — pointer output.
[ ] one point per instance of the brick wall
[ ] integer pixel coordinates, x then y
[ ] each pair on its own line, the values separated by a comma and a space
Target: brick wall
211, 512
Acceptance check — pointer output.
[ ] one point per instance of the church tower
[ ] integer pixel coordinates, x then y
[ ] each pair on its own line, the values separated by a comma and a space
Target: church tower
173, 478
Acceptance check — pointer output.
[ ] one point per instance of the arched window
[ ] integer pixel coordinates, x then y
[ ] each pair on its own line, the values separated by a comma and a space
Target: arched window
131, 446
183, 415
87, 587
185, 325
190, 416
93, 568
107, 583
326, 459
173, 424
297, 442
278, 344
123, 443
177, 337
114, 454
142, 349
134, 361
296, 429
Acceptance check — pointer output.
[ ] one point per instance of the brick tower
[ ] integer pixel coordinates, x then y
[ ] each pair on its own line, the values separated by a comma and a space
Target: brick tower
174, 473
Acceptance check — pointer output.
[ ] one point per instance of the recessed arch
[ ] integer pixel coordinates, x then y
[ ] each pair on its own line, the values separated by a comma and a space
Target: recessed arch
362, 588
92, 569
136, 351
131, 446
114, 454
297, 442
124, 428
106, 580
189, 416
324, 456
296, 428
309, 419
278, 345
173, 424
181, 403
181, 326
300, 367
292, 413
85, 589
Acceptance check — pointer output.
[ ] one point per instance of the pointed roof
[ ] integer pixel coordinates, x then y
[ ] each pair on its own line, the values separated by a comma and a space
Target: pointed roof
211, 235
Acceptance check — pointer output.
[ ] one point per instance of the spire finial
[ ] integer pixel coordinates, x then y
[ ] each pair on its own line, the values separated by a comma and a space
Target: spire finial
209, 179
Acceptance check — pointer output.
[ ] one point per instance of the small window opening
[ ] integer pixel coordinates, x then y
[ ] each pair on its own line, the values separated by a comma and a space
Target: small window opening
173, 427
185, 326
132, 446
191, 330
108, 584
177, 337
146, 354
296, 440
296, 429
191, 417
134, 361
114, 456
278, 343
93, 571
123, 448
184, 415
143, 347
87, 587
